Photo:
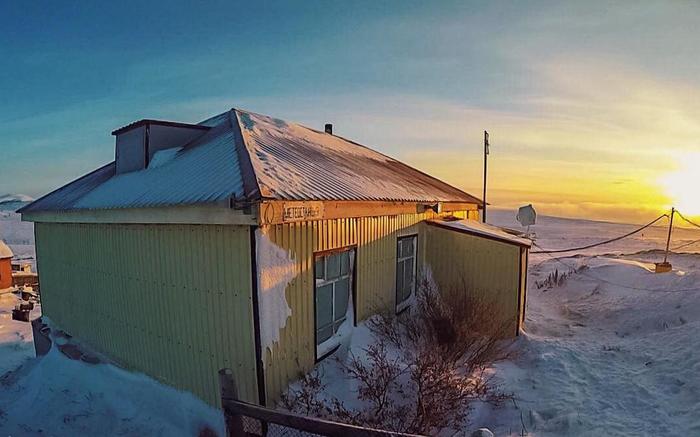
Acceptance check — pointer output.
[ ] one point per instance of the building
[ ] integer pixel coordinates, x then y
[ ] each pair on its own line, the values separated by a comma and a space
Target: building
5, 266
251, 243
22, 275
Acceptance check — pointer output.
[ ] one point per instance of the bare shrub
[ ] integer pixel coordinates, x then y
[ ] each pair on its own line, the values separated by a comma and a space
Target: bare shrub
553, 279
425, 368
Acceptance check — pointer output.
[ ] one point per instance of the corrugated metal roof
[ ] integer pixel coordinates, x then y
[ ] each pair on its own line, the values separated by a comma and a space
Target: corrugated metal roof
204, 171
65, 197
253, 156
478, 228
297, 163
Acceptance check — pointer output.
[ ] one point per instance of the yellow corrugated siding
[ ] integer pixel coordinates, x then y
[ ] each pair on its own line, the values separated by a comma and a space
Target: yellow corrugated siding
523, 284
375, 238
172, 301
486, 266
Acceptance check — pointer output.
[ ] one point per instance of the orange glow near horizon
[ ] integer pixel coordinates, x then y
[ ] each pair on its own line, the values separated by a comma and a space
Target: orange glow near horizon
683, 185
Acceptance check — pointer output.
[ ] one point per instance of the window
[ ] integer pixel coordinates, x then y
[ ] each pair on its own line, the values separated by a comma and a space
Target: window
405, 270
333, 298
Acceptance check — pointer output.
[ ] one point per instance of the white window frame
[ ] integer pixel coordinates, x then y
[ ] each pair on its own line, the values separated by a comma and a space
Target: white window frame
400, 306
326, 347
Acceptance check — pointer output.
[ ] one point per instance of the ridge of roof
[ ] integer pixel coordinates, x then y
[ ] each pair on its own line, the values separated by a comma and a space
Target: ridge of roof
251, 188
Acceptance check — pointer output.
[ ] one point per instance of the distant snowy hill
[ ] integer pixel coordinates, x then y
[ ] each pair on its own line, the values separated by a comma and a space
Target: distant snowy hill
12, 202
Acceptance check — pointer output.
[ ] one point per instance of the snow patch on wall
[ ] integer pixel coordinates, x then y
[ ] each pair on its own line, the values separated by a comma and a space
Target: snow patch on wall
276, 269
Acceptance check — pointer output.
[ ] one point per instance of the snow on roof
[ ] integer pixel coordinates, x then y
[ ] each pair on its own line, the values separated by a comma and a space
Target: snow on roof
294, 162
254, 157
205, 171
478, 228
5, 251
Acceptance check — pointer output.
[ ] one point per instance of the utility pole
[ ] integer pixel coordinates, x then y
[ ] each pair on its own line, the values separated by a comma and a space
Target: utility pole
666, 266
486, 154
668, 239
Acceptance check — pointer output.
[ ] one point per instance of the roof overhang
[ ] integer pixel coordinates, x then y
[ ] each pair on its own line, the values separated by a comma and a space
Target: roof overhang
481, 230
215, 214
285, 211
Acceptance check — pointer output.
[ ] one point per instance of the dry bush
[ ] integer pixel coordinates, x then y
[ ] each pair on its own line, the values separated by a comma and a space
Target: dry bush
553, 279
424, 369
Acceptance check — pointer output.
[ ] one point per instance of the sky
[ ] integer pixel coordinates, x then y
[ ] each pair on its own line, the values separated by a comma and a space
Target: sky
593, 108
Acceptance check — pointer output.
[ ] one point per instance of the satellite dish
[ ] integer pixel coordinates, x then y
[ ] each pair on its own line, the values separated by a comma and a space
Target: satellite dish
526, 215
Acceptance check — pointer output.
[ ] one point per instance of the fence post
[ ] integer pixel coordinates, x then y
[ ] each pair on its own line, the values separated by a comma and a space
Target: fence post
229, 391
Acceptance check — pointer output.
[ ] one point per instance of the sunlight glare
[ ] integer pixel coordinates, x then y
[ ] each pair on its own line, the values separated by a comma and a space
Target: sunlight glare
683, 185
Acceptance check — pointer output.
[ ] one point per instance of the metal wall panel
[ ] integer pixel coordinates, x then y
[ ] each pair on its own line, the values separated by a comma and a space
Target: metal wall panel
375, 238
487, 267
171, 301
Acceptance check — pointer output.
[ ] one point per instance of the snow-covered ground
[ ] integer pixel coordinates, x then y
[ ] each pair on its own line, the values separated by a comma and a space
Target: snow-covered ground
16, 345
613, 350
57, 396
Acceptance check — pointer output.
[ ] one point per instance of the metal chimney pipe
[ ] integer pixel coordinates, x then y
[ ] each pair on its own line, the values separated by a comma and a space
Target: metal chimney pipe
329, 128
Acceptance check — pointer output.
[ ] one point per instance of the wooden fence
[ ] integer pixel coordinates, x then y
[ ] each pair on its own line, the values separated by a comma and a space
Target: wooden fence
274, 422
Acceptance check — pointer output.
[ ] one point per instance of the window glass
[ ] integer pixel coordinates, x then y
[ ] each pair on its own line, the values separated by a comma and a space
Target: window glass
408, 279
333, 266
408, 246
342, 296
324, 305
405, 269
324, 334
345, 263
319, 267
333, 288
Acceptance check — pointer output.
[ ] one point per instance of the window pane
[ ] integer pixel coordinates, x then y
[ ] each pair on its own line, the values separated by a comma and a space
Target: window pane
324, 306
324, 334
319, 267
342, 297
338, 324
406, 247
345, 263
399, 281
409, 277
333, 266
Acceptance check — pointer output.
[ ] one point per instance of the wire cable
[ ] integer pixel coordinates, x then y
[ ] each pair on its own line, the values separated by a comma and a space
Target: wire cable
687, 220
685, 245
630, 287
612, 240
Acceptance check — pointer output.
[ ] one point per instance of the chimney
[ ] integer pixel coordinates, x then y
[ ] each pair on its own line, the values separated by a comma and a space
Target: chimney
329, 128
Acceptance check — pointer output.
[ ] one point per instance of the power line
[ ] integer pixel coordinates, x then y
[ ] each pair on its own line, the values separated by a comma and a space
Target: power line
687, 220
686, 244
630, 287
612, 240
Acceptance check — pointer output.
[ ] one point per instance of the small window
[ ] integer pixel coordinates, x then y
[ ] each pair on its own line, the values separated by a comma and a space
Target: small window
333, 294
405, 270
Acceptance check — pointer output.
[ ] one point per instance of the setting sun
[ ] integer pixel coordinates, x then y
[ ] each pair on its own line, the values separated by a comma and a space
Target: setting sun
681, 185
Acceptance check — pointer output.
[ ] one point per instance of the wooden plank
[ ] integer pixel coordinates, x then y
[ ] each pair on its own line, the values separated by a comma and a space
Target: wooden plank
227, 385
309, 424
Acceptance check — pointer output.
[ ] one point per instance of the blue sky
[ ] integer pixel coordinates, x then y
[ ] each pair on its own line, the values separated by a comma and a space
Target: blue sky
594, 94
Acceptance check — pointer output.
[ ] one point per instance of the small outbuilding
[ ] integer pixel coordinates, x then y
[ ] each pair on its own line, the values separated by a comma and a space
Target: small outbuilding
5, 266
251, 243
